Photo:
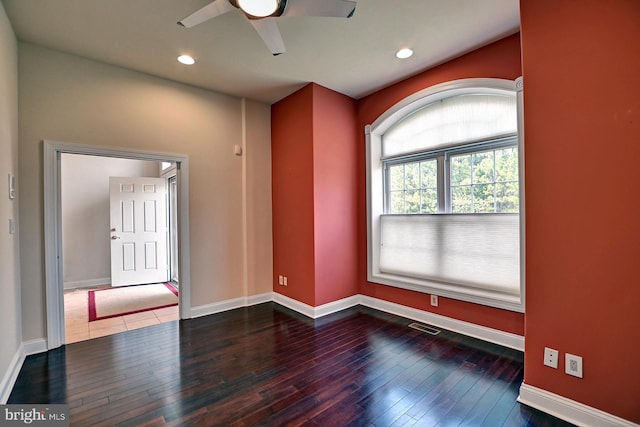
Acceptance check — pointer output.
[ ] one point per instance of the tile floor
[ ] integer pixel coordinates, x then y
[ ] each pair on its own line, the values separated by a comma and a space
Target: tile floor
78, 327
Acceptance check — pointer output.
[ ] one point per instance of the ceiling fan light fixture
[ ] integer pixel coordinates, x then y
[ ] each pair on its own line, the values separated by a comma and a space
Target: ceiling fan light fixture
259, 8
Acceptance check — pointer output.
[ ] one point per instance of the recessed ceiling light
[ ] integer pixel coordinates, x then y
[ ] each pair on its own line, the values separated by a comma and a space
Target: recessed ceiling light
186, 60
404, 53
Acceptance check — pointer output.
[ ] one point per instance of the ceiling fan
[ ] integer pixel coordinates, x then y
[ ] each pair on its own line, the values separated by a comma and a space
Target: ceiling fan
262, 14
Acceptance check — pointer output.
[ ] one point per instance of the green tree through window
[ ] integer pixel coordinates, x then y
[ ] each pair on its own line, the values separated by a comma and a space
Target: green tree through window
486, 181
413, 187
483, 179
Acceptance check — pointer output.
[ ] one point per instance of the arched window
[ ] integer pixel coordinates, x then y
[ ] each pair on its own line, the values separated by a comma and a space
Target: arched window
444, 193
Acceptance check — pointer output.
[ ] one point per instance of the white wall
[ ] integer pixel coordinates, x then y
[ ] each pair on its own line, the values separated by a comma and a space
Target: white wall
71, 99
10, 317
84, 184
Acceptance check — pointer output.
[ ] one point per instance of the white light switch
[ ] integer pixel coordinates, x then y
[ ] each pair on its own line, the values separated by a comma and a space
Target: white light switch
12, 186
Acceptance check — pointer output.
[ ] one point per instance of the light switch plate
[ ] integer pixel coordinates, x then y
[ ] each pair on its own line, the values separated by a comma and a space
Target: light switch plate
12, 186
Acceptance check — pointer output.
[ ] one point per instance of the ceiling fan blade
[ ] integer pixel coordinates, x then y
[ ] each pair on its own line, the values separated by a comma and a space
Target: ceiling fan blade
213, 9
329, 8
268, 30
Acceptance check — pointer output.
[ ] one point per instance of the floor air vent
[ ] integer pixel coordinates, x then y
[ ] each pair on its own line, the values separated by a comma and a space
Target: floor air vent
425, 328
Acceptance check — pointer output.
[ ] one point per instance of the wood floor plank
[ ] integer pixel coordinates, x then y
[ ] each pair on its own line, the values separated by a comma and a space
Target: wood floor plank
267, 365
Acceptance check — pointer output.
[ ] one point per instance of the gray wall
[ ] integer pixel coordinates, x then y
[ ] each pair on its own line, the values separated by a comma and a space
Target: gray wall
10, 317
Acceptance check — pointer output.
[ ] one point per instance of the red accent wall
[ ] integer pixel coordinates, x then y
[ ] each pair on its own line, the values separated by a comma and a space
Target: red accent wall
315, 195
499, 60
335, 192
581, 65
292, 194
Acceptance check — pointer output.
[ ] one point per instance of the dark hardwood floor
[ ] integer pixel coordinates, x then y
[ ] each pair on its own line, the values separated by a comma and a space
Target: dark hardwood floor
267, 365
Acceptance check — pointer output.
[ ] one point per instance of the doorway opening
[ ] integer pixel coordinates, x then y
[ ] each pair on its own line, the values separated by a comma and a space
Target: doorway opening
54, 254
116, 221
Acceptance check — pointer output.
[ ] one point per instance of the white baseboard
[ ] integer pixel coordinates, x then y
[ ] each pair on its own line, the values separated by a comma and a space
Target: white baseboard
230, 304
11, 374
87, 283
332, 307
319, 311
35, 346
569, 410
294, 305
484, 333
218, 307
259, 299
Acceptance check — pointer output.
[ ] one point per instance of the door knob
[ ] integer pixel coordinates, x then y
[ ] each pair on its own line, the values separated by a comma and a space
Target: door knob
114, 237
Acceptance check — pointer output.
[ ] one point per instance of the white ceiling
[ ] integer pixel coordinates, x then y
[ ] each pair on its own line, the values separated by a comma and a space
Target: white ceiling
352, 56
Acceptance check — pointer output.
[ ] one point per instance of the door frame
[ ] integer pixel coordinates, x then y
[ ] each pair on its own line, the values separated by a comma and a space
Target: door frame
53, 226
171, 176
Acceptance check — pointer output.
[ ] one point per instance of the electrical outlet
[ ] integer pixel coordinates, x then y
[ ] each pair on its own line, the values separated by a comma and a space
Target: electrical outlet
434, 300
573, 365
285, 280
281, 280
551, 358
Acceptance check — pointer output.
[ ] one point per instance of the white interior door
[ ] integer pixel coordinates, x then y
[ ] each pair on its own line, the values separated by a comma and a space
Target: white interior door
138, 230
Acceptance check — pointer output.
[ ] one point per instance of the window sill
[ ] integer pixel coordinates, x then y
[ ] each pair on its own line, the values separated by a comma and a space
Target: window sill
488, 297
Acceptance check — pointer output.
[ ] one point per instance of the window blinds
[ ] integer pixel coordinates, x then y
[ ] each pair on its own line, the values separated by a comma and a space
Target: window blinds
480, 251
451, 121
